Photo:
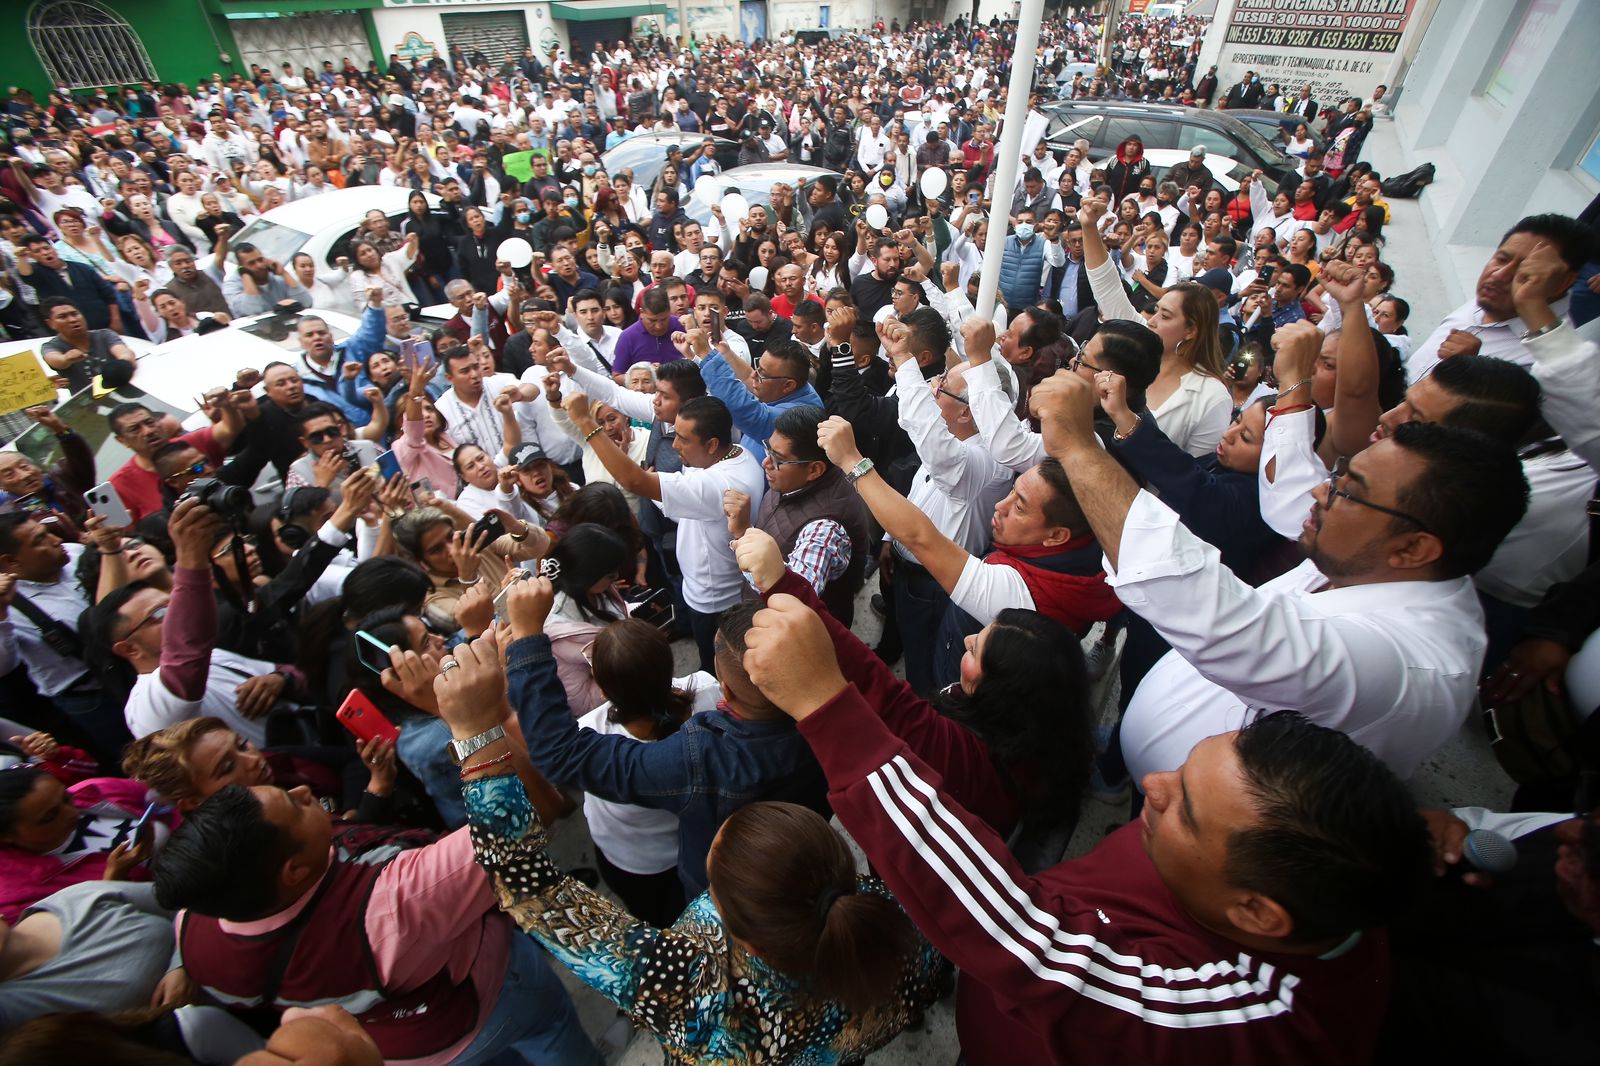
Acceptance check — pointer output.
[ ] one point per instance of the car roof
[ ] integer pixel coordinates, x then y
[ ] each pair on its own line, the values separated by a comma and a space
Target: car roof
1176, 112
341, 207
754, 172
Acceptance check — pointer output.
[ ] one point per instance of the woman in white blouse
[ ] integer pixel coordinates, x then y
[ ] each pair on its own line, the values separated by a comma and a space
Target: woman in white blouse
1189, 400
329, 289
389, 271
1300, 144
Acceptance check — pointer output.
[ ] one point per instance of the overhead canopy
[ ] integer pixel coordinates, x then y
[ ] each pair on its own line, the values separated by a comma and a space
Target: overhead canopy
594, 12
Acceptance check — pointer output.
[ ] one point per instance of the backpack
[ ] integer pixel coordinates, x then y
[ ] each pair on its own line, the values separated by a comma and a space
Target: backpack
1410, 184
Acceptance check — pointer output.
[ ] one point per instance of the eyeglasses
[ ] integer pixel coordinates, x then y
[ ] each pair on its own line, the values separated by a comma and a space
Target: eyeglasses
760, 375
331, 433
1078, 361
772, 457
938, 386
154, 616
1340, 469
226, 546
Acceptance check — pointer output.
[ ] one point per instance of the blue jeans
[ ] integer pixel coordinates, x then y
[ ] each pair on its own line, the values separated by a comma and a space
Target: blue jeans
533, 1019
919, 606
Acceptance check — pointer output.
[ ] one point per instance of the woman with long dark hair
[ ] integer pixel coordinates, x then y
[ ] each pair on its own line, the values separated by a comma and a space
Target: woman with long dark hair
433, 264
1011, 736
591, 560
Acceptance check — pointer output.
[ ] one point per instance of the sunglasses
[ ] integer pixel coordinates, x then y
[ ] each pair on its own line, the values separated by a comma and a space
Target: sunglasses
321, 435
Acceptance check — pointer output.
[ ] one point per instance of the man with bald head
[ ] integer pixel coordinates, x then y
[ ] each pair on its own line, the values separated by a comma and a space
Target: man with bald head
791, 282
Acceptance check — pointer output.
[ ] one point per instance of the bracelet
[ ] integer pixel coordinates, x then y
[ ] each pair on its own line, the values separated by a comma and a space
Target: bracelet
475, 767
467, 583
1291, 409
1137, 422
1302, 382
1542, 330
589, 436
519, 536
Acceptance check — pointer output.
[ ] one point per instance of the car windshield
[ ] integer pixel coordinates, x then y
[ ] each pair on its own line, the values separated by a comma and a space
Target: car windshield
754, 190
276, 241
280, 330
1257, 143
87, 416
645, 156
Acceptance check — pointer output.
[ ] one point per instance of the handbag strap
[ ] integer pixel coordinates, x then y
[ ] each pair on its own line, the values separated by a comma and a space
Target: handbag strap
58, 633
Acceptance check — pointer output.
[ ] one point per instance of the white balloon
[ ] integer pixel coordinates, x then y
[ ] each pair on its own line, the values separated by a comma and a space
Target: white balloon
516, 251
933, 183
734, 207
707, 190
877, 216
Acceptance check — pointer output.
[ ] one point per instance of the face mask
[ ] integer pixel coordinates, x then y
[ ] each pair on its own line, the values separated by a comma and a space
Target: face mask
523, 216
1024, 231
590, 168
886, 181
572, 202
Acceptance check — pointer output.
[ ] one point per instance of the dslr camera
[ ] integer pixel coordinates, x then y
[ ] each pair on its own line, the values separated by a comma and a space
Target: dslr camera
231, 503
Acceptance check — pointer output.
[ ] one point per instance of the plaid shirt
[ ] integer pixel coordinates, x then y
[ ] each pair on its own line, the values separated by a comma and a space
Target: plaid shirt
821, 553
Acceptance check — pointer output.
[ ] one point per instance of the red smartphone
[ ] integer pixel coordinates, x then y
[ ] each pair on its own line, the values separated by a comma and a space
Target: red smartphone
364, 720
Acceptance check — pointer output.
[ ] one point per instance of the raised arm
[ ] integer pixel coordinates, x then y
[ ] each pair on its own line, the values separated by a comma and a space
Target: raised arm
1356, 407
1105, 280
629, 475
898, 516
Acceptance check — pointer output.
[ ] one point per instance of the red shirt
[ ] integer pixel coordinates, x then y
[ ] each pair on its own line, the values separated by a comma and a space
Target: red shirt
140, 489
781, 304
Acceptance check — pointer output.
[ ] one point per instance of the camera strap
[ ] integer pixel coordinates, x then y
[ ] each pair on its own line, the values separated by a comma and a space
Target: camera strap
59, 637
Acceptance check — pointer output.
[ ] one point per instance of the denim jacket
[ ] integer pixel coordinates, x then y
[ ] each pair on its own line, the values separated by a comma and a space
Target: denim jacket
713, 765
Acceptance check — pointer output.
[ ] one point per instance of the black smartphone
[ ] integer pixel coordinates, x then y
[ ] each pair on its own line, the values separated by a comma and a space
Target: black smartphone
490, 524
1265, 277
716, 326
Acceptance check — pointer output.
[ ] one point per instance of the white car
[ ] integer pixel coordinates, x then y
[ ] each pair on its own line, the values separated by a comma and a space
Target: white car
169, 380
321, 226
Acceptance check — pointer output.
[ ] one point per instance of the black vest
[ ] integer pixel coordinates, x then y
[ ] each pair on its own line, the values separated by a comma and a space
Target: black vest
830, 496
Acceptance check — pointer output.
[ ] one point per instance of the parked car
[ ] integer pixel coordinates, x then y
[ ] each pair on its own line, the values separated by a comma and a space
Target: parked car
646, 153
321, 226
1277, 127
754, 182
1107, 124
1228, 172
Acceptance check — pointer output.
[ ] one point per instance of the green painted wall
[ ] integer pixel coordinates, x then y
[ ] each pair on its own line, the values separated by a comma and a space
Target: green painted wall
177, 34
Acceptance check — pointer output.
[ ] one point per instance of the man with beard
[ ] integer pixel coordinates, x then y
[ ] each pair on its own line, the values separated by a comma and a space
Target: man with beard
1378, 634
260, 284
876, 289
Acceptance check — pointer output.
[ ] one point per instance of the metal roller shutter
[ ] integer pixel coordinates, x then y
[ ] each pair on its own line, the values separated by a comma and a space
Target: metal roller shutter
494, 33
303, 40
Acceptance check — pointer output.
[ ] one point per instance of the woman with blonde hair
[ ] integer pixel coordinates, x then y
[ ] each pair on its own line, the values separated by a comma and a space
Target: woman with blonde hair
1189, 398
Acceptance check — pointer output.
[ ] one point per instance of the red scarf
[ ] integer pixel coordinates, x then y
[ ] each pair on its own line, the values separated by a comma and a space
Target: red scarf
1066, 580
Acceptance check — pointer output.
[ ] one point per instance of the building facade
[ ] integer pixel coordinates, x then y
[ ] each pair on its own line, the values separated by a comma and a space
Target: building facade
86, 44
1502, 98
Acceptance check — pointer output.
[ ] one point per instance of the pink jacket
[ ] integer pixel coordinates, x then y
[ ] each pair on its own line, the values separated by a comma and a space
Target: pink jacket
419, 460
26, 878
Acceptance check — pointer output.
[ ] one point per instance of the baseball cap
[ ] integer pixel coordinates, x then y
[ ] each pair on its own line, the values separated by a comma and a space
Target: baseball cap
525, 455
1217, 278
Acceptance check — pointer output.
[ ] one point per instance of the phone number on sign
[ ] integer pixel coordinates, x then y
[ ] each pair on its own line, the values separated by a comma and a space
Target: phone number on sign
1349, 40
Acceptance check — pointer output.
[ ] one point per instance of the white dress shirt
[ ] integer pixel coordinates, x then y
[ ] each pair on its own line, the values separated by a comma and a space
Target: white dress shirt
692, 497
1394, 665
960, 482
1197, 413
1013, 444
1568, 369
584, 349
871, 149
1503, 340
538, 421
1551, 543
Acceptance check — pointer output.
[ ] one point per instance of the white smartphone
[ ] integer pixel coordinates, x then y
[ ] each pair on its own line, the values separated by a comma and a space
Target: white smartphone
104, 501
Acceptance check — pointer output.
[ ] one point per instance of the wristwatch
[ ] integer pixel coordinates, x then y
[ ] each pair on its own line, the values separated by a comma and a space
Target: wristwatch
1548, 327
460, 749
844, 349
859, 471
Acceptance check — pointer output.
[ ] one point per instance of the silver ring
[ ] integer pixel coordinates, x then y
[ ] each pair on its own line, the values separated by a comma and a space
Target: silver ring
1513, 674
444, 667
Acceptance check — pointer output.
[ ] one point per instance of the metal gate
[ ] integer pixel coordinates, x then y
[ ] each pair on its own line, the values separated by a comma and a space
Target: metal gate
494, 33
82, 45
302, 41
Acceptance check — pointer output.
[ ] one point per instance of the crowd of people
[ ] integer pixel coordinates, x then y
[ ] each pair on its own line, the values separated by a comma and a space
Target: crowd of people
293, 710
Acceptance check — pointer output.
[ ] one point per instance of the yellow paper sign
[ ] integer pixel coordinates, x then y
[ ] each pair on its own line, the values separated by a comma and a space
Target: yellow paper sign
23, 383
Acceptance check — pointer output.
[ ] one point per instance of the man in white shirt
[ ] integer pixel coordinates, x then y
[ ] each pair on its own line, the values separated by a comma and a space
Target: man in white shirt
1489, 323
872, 144
594, 343
693, 496
957, 488
224, 145
1378, 634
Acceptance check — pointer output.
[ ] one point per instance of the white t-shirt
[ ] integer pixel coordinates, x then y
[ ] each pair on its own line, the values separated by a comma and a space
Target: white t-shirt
638, 839
692, 497
152, 706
